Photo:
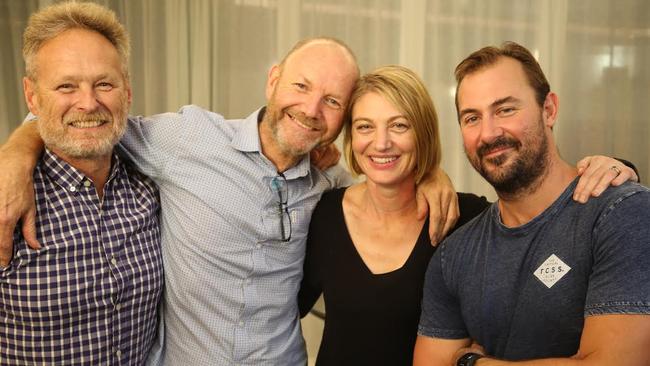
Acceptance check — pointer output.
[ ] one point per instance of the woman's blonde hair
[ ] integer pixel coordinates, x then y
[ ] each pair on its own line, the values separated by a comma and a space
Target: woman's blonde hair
406, 92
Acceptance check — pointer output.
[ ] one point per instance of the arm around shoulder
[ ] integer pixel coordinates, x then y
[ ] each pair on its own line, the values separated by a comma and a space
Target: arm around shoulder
18, 158
154, 143
23, 148
151, 142
339, 176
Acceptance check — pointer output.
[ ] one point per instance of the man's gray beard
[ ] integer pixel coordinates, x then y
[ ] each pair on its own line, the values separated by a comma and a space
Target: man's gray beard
272, 117
57, 140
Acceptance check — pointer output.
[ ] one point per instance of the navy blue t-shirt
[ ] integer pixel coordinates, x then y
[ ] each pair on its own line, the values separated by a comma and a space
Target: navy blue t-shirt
523, 292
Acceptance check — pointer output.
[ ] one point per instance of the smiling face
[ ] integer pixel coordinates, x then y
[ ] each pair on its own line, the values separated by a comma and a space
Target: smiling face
80, 95
383, 141
505, 131
307, 97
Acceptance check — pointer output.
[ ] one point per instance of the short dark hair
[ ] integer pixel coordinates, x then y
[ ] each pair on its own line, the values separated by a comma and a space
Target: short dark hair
488, 56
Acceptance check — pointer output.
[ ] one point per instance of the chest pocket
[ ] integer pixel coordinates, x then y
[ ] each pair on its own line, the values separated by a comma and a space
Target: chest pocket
295, 224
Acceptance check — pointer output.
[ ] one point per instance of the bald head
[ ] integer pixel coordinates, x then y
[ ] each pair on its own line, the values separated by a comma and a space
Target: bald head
324, 41
307, 96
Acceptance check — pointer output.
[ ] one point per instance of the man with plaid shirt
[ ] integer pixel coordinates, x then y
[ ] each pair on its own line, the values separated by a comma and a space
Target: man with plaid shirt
90, 294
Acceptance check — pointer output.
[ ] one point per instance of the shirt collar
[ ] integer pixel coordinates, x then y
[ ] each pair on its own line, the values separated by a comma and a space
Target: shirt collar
247, 139
67, 176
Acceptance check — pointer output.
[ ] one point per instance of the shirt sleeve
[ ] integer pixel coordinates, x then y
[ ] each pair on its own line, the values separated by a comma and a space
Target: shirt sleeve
441, 315
152, 142
339, 176
620, 280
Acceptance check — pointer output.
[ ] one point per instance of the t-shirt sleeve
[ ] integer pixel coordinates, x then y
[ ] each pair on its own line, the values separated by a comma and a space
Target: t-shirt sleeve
441, 315
620, 280
152, 142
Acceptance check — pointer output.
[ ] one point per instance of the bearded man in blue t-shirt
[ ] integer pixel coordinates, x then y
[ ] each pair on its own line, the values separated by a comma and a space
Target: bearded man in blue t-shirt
537, 276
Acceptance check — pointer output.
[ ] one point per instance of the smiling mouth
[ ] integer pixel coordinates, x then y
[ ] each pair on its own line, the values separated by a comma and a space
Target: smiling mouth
496, 151
87, 124
301, 122
383, 160
497, 147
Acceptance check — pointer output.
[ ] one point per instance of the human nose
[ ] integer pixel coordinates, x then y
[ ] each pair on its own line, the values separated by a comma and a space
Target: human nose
87, 100
490, 129
312, 105
382, 140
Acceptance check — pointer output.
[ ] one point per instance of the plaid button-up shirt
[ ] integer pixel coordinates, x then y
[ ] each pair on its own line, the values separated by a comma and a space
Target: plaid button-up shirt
89, 296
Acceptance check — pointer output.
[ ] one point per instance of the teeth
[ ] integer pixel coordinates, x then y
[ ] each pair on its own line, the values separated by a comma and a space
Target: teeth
86, 124
383, 160
297, 120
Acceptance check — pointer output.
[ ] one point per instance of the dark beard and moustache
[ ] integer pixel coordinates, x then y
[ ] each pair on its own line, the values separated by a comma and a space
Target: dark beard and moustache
523, 173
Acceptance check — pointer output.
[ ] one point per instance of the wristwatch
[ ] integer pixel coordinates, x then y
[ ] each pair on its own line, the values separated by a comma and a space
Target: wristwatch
468, 359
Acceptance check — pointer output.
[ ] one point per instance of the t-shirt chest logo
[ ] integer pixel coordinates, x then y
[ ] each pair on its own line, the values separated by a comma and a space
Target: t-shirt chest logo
552, 270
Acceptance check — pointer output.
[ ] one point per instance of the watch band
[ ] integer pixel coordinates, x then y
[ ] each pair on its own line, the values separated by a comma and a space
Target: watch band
468, 359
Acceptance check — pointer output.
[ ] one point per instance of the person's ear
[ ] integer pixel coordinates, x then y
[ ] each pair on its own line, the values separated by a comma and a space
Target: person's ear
272, 80
31, 97
551, 106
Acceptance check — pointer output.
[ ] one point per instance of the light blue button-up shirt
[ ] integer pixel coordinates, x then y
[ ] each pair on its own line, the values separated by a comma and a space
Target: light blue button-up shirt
231, 282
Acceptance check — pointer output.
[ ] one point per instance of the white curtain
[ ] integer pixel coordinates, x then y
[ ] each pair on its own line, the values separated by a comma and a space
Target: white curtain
216, 53
13, 18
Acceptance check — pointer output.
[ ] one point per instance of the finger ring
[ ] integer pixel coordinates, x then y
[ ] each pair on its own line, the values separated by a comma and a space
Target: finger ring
616, 169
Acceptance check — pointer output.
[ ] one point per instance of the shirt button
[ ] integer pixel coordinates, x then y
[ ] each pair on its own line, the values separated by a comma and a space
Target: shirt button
118, 307
118, 353
258, 246
73, 189
86, 183
241, 323
114, 261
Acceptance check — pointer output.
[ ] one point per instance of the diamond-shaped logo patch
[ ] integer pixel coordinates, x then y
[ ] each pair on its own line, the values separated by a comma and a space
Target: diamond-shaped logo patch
551, 271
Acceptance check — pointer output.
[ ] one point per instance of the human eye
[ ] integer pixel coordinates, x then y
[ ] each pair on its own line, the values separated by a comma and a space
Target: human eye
470, 119
104, 86
362, 127
400, 126
300, 86
506, 111
65, 87
332, 102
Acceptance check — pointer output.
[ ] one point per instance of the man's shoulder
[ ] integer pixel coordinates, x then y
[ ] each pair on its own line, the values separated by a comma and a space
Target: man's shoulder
629, 193
139, 179
625, 190
188, 115
472, 232
190, 127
